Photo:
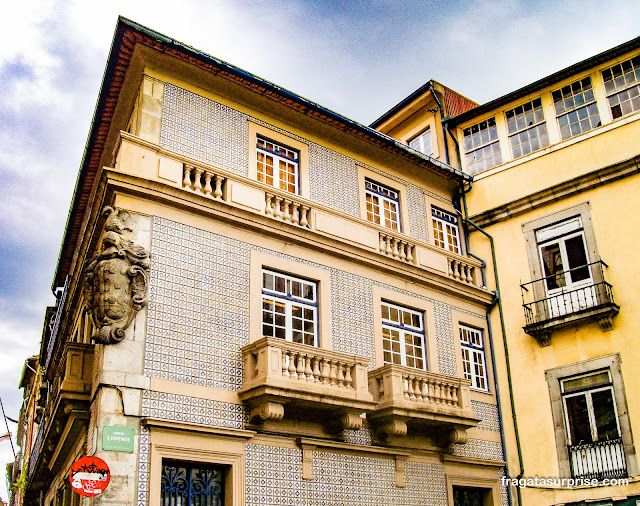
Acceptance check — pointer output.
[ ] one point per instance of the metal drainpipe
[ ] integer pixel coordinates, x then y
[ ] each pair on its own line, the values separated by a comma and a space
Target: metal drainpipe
444, 133
496, 300
506, 354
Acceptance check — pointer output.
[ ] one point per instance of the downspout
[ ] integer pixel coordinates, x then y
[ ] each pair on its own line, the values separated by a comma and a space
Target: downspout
496, 300
444, 130
506, 353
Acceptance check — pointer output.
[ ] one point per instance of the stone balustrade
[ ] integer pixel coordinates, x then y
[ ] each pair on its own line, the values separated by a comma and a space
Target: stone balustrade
407, 396
287, 210
397, 248
306, 379
464, 271
202, 181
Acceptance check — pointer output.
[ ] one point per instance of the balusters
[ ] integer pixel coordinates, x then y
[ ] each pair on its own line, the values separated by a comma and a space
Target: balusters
193, 177
284, 209
397, 248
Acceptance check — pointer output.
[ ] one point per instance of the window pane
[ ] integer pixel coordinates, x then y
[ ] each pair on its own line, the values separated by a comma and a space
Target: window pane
578, 419
552, 266
577, 257
605, 416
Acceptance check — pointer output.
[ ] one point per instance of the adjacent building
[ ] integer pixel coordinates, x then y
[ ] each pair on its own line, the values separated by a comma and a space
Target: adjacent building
260, 301
554, 201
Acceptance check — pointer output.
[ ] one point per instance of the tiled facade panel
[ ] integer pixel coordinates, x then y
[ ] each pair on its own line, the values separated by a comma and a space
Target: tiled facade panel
206, 130
198, 317
203, 129
488, 414
143, 466
479, 449
183, 408
333, 178
444, 339
274, 476
417, 213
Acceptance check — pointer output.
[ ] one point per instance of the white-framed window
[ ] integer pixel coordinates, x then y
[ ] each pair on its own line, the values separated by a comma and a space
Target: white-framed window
277, 165
289, 308
589, 408
383, 205
576, 108
403, 336
422, 142
527, 128
593, 434
481, 146
473, 358
446, 234
622, 85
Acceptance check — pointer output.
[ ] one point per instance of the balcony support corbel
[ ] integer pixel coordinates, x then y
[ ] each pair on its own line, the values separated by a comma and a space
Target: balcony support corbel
266, 411
458, 437
606, 323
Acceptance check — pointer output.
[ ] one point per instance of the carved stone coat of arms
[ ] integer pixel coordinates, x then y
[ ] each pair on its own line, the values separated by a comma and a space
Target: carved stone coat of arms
116, 278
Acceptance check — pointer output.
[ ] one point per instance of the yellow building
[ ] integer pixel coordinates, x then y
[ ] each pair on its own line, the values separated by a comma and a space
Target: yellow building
264, 301
556, 193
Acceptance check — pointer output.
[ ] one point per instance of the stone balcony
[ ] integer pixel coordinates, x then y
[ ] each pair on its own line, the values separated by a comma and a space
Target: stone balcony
285, 379
294, 214
66, 413
420, 403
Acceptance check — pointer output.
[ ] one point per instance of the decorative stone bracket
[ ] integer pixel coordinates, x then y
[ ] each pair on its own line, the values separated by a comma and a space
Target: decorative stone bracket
116, 278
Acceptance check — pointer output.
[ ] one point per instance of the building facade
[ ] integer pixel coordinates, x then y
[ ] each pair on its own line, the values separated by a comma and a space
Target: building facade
266, 302
555, 169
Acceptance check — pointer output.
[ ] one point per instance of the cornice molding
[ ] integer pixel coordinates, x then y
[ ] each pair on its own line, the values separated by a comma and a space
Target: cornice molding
558, 192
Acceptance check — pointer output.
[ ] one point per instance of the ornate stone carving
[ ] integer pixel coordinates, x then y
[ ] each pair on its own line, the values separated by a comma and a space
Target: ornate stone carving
266, 411
116, 279
393, 427
458, 436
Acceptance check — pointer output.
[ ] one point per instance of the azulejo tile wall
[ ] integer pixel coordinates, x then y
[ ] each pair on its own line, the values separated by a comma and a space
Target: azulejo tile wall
488, 414
143, 466
206, 130
183, 408
274, 476
198, 316
479, 449
203, 129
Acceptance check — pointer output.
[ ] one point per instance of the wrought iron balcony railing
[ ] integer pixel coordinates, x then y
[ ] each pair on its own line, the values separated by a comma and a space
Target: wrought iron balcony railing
600, 460
559, 299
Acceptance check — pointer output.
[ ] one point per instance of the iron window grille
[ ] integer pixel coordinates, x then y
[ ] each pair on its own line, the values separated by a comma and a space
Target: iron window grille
403, 336
185, 484
383, 205
481, 146
422, 142
289, 308
576, 108
527, 128
622, 85
473, 357
278, 166
446, 233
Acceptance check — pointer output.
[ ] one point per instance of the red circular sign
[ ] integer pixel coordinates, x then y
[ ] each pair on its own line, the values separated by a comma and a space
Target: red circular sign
89, 476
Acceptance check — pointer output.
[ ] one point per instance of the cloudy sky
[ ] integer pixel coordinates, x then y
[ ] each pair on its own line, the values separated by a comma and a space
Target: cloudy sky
356, 57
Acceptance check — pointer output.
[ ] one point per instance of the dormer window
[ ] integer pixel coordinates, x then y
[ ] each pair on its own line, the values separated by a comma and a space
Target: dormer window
422, 142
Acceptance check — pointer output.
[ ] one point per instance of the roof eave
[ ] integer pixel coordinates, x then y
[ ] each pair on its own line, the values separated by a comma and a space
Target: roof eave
549, 80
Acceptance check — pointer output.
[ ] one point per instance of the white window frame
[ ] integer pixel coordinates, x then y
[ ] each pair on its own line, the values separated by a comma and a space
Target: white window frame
404, 330
279, 153
423, 142
289, 301
523, 132
569, 104
476, 141
474, 355
447, 225
623, 85
380, 195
